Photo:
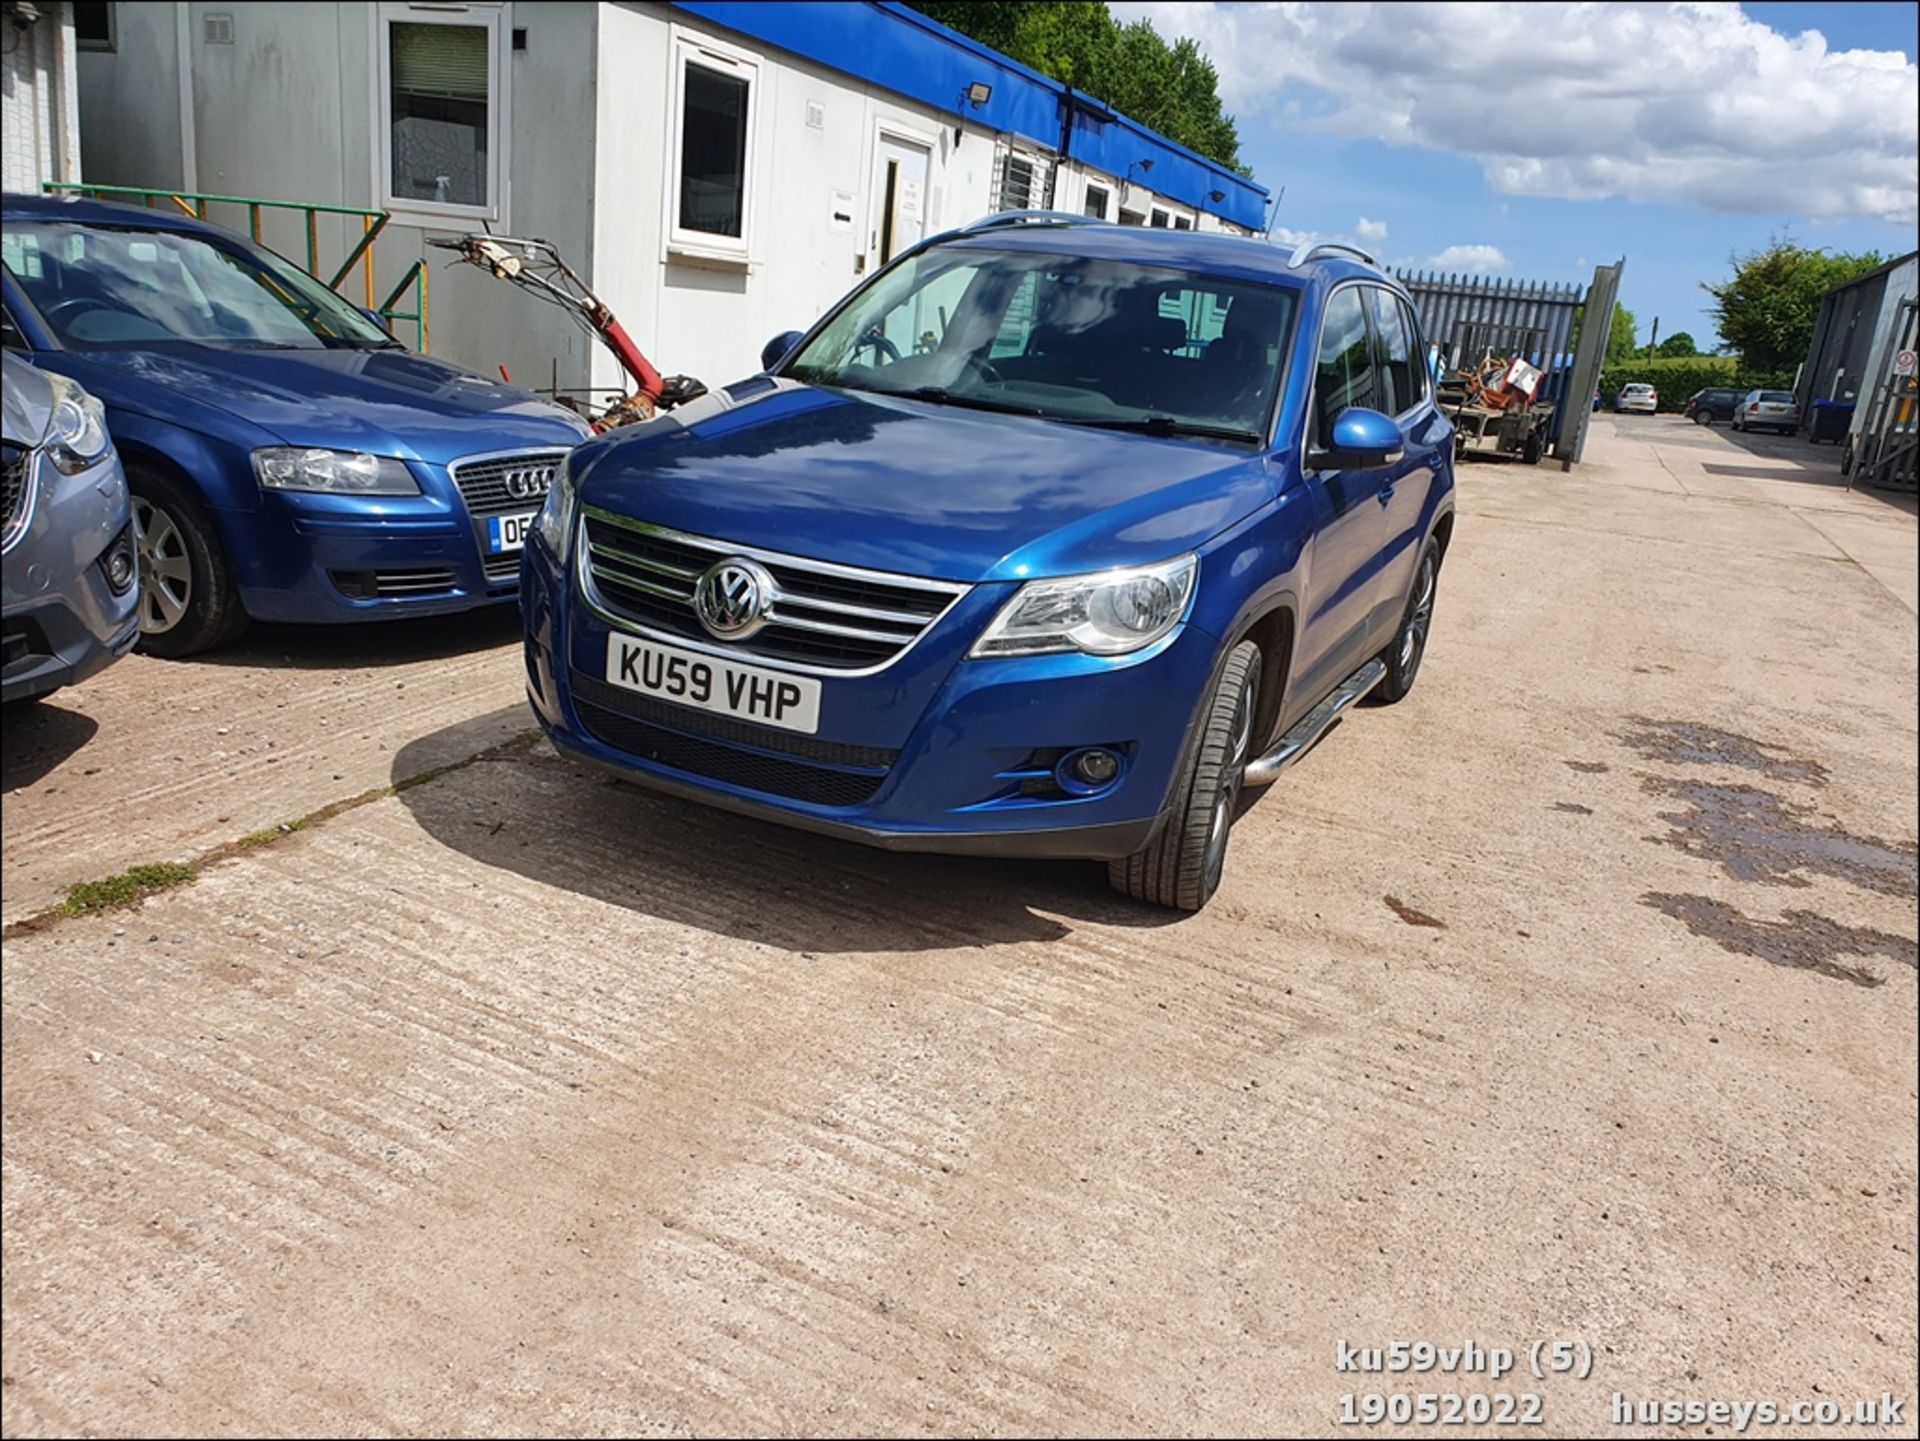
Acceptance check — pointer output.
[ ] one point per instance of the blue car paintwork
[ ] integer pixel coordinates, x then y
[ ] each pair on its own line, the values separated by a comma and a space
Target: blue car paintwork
201, 411
901, 485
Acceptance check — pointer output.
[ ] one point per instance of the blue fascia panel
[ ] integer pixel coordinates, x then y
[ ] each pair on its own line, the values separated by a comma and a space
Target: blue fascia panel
898, 49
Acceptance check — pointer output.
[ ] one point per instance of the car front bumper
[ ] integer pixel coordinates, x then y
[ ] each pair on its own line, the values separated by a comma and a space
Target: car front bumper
933, 753
60, 620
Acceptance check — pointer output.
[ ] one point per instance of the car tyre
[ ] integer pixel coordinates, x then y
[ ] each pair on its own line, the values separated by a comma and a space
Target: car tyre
1402, 658
1183, 866
1701, 417
188, 601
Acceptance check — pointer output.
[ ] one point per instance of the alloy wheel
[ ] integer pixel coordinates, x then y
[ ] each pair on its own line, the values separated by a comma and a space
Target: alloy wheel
166, 573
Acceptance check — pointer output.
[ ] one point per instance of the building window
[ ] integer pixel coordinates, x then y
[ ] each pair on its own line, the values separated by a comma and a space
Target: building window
1158, 218
442, 88
1181, 222
1016, 184
93, 25
713, 150
1098, 198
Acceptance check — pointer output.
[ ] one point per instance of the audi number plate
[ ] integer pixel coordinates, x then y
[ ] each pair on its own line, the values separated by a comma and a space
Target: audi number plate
747, 692
508, 532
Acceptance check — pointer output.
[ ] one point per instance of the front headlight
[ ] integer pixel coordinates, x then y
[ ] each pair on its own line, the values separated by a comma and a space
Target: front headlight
336, 472
1112, 613
77, 435
554, 524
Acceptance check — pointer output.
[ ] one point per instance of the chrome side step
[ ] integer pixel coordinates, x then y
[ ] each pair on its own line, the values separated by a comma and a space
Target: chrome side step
1311, 726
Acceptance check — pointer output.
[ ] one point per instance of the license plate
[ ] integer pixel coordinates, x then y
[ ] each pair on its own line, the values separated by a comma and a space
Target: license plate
747, 692
508, 532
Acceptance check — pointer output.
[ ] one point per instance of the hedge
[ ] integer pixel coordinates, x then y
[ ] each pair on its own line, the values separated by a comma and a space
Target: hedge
1676, 383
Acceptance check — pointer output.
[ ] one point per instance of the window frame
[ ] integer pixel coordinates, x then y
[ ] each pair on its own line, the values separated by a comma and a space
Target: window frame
111, 44
1106, 199
1314, 440
689, 47
430, 213
1416, 357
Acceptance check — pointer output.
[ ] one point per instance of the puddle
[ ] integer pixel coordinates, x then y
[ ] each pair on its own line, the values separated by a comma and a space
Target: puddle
1571, 809
1757, 836
1590, 768
1802, 940
1688, 743
1412, 917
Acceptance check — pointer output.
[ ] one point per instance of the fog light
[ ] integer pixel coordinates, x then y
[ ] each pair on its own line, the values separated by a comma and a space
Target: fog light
1083, 772
1096, 767
121, 568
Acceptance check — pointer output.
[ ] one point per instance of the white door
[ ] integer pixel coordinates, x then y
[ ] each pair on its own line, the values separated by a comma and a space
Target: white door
898, 203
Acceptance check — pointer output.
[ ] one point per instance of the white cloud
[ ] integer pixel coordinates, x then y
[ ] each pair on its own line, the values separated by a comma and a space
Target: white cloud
1370, 231
1688, 103
1472, 259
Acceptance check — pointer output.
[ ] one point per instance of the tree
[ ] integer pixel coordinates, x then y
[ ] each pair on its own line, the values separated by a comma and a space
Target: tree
1173, 89
1679, 346
1620, 342
1766, 310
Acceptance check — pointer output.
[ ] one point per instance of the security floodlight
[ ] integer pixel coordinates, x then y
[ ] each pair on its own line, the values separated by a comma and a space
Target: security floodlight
979, 93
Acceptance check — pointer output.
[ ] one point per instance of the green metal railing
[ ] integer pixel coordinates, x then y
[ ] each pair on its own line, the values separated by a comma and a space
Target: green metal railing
372, 223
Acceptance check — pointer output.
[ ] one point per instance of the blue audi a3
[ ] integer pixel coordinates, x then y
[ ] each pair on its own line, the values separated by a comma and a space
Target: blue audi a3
288, 459
1047, 541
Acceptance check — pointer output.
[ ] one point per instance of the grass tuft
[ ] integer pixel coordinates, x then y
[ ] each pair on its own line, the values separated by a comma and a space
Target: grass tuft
129, 888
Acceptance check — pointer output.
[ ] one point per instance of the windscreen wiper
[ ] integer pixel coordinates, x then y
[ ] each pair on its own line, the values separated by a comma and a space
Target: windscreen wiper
940, 395
1170, 425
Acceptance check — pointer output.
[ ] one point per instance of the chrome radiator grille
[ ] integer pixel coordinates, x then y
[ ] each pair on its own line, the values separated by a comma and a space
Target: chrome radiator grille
17, 463
822, 616
494, 484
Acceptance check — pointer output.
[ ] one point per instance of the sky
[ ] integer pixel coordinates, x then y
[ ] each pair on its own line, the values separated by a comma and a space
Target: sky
1538, 140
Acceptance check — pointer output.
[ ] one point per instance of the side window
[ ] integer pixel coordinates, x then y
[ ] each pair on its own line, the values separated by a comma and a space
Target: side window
1395, 341
1344, 375
1422, 376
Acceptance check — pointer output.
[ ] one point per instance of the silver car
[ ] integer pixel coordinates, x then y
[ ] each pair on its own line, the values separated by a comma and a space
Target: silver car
1638, 396
1767, 410
69, 584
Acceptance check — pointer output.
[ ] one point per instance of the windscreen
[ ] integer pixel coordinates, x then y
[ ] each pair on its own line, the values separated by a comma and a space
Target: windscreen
118, 288
1063, 337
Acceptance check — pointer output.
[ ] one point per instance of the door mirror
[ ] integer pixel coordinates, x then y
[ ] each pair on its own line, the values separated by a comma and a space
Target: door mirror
1362, 440
376, 317
778, 349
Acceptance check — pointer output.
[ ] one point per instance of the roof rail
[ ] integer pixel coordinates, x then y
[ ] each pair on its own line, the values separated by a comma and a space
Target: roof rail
1006, 218
1313, 248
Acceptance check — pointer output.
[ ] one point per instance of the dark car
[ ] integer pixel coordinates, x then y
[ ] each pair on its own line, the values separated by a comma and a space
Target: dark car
300, 462
1714, 403
69, 574
1147, 514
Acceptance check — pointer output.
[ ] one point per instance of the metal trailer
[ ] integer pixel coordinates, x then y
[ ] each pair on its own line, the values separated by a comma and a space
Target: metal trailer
1482, 426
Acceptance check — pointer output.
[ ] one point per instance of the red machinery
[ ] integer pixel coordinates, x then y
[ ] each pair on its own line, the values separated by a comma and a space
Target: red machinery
535, 266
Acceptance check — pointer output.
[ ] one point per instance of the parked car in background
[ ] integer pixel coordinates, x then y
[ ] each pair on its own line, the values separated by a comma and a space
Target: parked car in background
1637, 396
1148, 510
1767, 410
68, 573
1711, 404
289, 459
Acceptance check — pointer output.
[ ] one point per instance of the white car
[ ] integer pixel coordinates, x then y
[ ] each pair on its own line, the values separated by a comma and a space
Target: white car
1638, 396
1767, 410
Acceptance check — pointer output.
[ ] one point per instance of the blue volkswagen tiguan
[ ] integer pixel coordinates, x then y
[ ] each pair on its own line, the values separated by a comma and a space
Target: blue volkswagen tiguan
288, 459
1046, 541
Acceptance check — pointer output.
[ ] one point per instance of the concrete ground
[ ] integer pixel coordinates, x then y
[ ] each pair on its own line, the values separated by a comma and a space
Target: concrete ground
1572, 1000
